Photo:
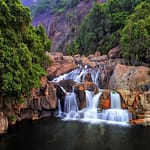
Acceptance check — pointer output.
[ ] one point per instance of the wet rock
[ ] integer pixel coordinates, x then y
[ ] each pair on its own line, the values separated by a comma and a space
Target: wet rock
105, 100
26, 113
67, 85
90, 86
88, 77
3, 123
80, 93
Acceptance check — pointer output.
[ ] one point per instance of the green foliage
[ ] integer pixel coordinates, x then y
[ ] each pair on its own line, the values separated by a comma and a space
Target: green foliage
12, 118
73, 48
106, 23
22, 51
58, 6
135, 36
94, 28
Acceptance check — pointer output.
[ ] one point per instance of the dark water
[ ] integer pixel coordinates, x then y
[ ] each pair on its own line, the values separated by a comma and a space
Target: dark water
55, 134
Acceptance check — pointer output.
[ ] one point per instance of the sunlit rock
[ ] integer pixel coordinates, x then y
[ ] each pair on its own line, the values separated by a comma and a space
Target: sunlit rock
3, 123
130, 77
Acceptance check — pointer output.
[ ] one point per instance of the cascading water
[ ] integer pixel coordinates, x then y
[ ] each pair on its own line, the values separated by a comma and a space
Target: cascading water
115, 113
89, 96
79, 73
90, 112
92, 104
71, 106
59, 109
115, 100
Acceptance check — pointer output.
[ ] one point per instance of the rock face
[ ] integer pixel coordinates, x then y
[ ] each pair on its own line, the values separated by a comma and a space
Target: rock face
3, 123
61, 65
43, 103
130, 78
114, 53
63, 27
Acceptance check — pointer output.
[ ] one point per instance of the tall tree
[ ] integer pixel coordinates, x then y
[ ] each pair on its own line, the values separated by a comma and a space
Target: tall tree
22, 51
135, 37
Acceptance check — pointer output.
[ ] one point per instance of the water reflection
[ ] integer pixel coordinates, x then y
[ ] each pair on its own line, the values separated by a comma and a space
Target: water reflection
55, 134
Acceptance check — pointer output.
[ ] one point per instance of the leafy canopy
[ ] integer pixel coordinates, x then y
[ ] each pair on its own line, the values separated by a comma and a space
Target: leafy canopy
22, 51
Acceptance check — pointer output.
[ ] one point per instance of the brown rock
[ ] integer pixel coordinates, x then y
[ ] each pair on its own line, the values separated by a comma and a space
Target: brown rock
97, 54
67, 85
114, 53
90, 86
3, 123
61, 65
129, 78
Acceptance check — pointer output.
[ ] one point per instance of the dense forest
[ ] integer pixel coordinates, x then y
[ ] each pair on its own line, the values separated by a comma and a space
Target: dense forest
55, 6
116, 22
22, 52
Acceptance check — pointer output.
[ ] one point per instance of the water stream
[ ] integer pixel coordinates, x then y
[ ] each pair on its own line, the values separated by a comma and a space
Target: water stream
91, 112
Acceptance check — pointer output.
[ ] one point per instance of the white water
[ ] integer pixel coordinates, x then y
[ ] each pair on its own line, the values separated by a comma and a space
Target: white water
71, 110
115, 100
115, 113
92, 104
91, 113
71, 106
79, 73
59, 109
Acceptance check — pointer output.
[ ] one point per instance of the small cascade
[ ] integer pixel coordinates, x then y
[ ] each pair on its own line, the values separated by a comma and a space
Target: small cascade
59, 109
115, 100
91, 109
71, 106
89, 96
115, 113
96, 77
79, 73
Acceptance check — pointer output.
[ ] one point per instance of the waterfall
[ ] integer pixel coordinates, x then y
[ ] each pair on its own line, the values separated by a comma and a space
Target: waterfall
89, 96
115, 113
92, 104
96, 78
59, 109
71, 106
91, 111
79, 73
115, 100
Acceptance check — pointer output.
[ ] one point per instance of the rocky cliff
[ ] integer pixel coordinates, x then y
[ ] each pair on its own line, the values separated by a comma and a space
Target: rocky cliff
63, 27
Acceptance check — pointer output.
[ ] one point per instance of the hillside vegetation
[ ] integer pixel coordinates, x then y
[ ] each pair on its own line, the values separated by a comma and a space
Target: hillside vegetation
22, 52
54, 6
124, 22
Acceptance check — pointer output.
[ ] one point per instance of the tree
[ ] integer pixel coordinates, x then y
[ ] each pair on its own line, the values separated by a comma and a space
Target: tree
22, 51
135, 36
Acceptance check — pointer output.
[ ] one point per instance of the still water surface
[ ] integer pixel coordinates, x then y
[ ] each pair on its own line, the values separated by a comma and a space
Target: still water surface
56, 134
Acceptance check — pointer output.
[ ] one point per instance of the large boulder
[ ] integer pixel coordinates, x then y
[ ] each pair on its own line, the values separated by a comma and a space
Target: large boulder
67, 85
114, 53
130, 78
61, 65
